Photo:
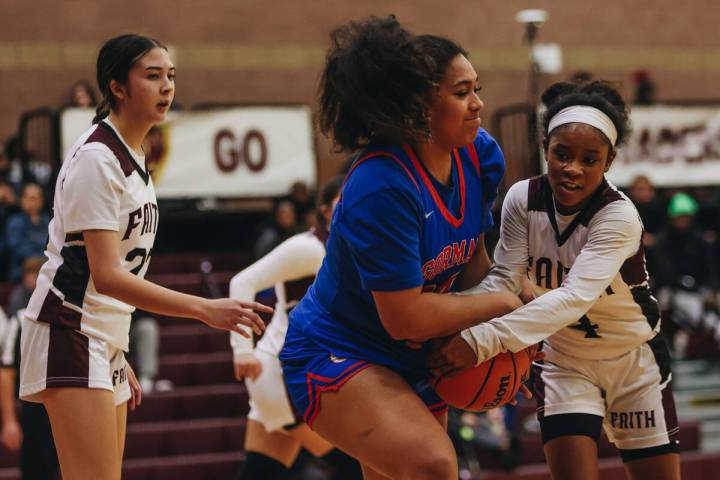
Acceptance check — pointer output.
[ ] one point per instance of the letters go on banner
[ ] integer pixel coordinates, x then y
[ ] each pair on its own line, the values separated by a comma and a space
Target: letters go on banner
238, 152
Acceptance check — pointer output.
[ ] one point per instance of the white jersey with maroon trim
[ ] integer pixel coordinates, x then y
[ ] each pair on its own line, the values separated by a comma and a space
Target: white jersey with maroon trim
291, 267
102, 185
586, 270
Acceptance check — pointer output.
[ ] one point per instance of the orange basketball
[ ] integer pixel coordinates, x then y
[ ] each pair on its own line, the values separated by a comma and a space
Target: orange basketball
488, 385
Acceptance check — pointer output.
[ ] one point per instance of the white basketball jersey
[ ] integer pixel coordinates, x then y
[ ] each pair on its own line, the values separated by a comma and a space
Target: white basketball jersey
290, 267
586, 270
102, 185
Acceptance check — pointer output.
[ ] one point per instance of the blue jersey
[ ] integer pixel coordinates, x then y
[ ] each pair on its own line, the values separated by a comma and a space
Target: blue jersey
394, 228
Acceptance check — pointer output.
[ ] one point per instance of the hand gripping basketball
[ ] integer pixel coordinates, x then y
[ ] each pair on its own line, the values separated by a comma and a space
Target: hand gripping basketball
483, 387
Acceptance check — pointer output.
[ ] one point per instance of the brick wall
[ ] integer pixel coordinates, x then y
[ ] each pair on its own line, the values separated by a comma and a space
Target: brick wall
250, 50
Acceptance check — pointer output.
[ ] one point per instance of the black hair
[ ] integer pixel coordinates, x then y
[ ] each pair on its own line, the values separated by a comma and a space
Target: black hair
116, 58
325, 197
599, 94
375, 86
442, 51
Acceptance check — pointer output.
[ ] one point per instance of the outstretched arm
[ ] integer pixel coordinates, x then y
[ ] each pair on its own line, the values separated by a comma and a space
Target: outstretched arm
110, 278
611, 241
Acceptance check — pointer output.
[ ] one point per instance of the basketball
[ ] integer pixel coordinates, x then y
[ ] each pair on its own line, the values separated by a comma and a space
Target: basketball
488, 385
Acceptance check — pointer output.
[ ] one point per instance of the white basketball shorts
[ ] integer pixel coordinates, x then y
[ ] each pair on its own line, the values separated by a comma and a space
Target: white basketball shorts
56, 357
269, 402
632, 395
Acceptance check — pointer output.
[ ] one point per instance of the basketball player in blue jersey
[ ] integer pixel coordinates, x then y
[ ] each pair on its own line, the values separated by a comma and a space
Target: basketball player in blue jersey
578, 241
408, 229
75, 328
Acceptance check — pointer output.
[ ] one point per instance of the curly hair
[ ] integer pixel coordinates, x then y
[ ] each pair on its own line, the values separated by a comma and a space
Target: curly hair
442, 51
375, 86
599, 94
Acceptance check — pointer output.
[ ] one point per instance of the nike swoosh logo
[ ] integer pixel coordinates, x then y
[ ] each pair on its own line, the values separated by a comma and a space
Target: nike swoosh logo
335, 359
427, 215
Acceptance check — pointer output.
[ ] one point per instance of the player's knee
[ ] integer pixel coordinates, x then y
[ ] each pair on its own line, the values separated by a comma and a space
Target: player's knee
440, 464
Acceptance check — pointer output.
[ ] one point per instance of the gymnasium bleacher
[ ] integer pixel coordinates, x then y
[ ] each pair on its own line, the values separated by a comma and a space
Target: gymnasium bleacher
196, 430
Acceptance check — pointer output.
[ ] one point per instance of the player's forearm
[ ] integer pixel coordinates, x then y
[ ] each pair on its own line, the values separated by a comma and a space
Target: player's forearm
7, 395
122, 285
432, 315
527, 325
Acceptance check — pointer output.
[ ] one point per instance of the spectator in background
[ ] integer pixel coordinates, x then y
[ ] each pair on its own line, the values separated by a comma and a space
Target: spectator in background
683, 267
8, 207
82, 95
304, 203
645, 90
27, 231
284, 226
708, 216
11, 170
31, 434
8, 201
37, 164
20, 295
650, 206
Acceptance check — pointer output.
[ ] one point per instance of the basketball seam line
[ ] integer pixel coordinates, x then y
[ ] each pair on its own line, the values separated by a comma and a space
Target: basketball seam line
482, 387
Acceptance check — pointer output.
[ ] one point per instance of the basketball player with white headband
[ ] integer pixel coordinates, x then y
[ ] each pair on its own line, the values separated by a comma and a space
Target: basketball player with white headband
577, 240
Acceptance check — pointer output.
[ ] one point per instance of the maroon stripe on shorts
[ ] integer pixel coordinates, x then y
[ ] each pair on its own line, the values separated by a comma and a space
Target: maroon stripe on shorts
68, 362
55, 313
539, 389
671, 421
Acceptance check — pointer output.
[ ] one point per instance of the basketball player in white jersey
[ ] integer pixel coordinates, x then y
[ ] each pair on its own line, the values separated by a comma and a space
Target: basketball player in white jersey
75, 329
274, 433
577, 239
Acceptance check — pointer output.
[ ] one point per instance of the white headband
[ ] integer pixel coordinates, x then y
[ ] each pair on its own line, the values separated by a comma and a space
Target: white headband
588, 115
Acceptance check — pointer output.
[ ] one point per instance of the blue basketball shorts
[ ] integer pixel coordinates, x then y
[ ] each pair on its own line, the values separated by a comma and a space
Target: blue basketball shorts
317, 370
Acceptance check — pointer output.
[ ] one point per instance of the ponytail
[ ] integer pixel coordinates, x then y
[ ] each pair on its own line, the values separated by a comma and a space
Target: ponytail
101, 111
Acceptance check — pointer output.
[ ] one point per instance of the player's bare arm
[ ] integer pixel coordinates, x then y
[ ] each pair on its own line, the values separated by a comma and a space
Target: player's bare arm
111, 279
412, 314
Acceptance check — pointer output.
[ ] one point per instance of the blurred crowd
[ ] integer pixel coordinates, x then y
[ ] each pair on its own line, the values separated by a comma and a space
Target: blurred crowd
681, 240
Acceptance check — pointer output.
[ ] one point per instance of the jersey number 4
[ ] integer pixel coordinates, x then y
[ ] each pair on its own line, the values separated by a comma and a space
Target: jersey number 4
587, 326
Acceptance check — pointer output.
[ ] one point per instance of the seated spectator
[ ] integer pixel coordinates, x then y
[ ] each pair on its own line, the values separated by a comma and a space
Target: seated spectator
284, 226
82, 95
26, 231
683, 267
20, 295
650, 207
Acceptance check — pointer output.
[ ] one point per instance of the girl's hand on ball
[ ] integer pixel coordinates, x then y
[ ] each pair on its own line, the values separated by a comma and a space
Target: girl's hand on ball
525, 393
450, 355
